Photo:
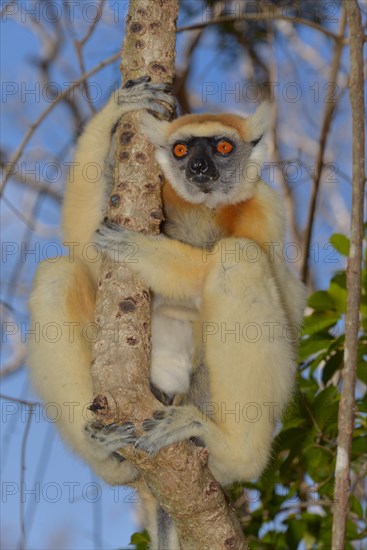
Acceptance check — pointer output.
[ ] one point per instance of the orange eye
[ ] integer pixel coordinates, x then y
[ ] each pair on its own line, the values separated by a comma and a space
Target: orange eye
224, 147
180, 150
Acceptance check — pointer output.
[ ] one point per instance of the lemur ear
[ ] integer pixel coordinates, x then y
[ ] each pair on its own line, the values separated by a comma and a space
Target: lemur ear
156, 130
258, 123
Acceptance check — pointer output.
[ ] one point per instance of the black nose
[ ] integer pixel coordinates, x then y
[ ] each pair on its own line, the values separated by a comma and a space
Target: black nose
198, 166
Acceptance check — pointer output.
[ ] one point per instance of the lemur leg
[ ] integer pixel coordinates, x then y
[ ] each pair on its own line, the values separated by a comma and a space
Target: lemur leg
62, 304
250, 367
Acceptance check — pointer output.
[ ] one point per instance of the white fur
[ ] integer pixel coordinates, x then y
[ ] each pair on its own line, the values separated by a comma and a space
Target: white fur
172, 354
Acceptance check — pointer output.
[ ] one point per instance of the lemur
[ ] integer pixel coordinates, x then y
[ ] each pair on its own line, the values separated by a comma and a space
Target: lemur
223, 297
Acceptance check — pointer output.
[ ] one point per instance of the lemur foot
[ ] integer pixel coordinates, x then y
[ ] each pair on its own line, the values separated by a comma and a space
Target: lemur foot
111, 438
169, 426
147, 96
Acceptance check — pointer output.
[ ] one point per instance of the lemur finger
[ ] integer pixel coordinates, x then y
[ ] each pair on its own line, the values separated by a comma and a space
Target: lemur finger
108, 235
110, 225
144, 91
92, 427
130, 83
161, 87
157, 108
159, 94
118, 456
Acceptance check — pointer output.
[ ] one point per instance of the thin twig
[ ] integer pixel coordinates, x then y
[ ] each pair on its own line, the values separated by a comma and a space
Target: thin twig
22, 479
36, 186
15, 364
270, 15
79, 45
183, 75
354, 267
319, 164
47, 111
307, 504
18, 400
284, 182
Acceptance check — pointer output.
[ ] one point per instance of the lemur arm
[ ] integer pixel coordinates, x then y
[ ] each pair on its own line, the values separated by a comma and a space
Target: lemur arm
169, 267
85, 191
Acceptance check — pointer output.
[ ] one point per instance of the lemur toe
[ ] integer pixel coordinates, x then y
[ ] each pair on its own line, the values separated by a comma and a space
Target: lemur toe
112, 436
158, 432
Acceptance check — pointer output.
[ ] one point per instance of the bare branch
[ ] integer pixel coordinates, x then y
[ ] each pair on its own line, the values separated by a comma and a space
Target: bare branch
36, 186
79, 45
22, 543
319, 164
271, 14
11, 165
347, 401
18, 400
274, 146
15, 364
183, 75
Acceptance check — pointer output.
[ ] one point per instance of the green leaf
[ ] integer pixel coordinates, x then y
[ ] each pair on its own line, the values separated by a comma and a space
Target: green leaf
296, 530
356, 506
341, 243
318, 463
358, 447
314, 345
321, 301
141, 540
340, 279
313, 523
320, 321
362, 371
295, 422
339, 295
325, 406
332, 364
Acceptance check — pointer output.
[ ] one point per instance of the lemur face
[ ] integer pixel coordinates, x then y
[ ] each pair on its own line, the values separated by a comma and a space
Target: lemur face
211, 159
208, 169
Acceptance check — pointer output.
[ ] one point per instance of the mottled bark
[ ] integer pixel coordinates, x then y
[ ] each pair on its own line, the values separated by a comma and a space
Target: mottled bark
178, 476
347, 401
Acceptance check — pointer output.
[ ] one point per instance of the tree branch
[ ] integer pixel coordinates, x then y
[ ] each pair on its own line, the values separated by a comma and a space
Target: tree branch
347, 401
18, 153
319, 164
79, 45
271, 14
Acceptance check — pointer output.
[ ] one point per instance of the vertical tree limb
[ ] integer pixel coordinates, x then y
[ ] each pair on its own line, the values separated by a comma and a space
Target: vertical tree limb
347, 402
319, 164
178, 476
123, 304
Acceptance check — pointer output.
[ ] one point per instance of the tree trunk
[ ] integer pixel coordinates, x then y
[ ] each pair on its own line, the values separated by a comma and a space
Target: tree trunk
178, 476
